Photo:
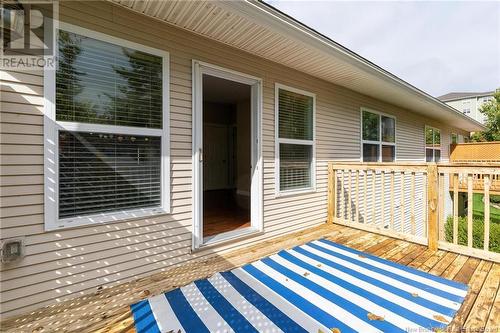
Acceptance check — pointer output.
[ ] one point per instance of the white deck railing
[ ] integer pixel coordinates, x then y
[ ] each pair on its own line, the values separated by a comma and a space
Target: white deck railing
419, 202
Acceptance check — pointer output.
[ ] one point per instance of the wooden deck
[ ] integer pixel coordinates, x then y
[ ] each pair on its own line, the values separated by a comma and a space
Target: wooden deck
108, 310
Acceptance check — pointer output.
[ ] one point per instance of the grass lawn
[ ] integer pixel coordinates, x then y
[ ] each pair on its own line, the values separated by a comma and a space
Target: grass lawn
478, 208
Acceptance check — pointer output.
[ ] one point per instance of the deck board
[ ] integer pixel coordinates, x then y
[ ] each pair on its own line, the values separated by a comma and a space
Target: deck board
432, 261
475, 285
483, 305
442, 265
493, 322
108, 310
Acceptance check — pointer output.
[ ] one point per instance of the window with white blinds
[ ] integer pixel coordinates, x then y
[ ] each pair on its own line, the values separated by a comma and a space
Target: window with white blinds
294, 139
109, 123
101, 172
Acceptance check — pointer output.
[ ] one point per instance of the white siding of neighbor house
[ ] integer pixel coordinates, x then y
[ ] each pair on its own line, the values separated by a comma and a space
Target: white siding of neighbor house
69, 262
473, 104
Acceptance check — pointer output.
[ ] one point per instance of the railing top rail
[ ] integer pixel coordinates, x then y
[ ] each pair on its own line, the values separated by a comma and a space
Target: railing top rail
475, 143
415, 167
469, 169
377, 163
445, 167
493, 164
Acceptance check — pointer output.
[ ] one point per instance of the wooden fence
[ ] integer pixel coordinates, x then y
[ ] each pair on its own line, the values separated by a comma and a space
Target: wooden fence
475, 152
413, 201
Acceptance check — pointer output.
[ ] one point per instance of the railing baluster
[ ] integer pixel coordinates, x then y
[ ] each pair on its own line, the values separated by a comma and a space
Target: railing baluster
470, 199
382, 203
486, 212
349, 197
455, 208
392, 200
373, 197
356, 206
412, 207
335, 195
402, 201
342, 196
332, 193
365, 191
425, 221
441, 212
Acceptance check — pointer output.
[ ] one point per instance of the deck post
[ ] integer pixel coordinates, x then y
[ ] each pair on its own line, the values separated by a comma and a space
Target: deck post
332, 190
432, 206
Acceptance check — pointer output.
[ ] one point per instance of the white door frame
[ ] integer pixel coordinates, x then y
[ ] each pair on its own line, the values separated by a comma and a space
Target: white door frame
256, 200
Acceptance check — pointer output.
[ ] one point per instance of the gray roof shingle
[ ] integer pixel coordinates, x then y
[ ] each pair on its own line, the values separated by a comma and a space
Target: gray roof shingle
459, 95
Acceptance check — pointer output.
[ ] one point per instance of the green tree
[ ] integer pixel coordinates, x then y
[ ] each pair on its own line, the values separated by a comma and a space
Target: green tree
491, 110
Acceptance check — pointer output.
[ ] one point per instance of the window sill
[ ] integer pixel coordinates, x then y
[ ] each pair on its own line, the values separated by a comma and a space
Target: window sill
119, 216
295, 192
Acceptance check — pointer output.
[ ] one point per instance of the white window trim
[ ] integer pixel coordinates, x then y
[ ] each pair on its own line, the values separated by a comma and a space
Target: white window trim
380, 143
433, 148
51, 141
278, 140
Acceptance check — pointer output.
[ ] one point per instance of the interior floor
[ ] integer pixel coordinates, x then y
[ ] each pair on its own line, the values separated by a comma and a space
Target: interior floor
221, 213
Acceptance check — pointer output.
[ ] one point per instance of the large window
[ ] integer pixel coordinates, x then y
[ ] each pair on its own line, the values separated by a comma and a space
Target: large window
294, 139
378, 137
432, 144
106, 146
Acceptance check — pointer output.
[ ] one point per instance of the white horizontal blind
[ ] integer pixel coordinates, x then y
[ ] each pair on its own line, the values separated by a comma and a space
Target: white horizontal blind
102, 83
295, 140
121, 90
295, 166
295, 115
106, 172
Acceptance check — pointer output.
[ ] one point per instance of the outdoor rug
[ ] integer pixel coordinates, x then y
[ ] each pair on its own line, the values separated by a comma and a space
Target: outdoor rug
317, 287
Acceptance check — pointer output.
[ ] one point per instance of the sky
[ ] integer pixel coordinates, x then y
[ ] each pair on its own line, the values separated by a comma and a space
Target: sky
437, 46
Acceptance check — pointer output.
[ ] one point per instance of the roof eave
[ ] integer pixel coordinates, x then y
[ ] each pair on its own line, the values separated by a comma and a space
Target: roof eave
344, 67
308, 35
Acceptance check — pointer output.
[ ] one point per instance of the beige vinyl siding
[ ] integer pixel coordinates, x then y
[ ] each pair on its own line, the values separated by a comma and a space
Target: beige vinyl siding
69, 262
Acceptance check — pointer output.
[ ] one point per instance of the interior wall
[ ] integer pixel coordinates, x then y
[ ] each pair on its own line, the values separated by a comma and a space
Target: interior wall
217, 118
239, 116
219, 113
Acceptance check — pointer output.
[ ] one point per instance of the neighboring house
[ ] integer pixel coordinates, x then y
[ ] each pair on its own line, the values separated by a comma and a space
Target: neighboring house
179, 130
469, 103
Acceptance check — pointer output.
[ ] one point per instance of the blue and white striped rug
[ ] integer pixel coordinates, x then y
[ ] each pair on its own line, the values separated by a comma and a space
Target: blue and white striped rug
317, 287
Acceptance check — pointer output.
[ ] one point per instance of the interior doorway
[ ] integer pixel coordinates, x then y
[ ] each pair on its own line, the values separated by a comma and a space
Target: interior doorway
226, 155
